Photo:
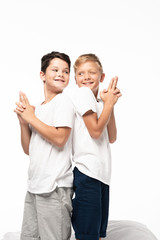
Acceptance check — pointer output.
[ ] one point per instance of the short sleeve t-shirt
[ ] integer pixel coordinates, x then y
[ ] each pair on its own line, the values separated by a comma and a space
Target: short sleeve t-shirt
50, 166
91, 156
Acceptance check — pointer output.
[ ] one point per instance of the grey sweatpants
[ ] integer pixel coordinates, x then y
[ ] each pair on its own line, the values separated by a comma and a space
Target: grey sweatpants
47, 216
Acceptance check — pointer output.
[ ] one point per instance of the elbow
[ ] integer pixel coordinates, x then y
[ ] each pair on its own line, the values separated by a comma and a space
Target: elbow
26, 151
61, 138
60, 142
112, 140
95, 134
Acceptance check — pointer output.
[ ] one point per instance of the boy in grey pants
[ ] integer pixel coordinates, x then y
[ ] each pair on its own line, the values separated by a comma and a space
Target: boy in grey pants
46, 134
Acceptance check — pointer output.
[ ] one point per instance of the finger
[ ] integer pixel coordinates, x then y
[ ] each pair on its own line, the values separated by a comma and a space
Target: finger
25, 98
114, 83
20, 105
119, 95
116, 91
20, 109
17, 111
105, 90
21, 97
110, 84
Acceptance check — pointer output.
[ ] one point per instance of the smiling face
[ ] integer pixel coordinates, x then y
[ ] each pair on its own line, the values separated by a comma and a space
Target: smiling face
88, 74
56, 76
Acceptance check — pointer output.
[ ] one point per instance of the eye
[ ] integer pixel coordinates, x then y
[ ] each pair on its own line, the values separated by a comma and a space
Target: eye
80, 73
55, 70
67, 72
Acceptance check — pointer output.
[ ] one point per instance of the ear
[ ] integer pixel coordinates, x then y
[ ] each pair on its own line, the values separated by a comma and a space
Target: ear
102, 77
42, 76
75, 79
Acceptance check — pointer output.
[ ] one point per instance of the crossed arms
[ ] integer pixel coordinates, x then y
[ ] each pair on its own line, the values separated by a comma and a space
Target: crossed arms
96, 125
25, 112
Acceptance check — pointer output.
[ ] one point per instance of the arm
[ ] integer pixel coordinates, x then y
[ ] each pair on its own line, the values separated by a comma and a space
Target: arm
25, 137
24, 127
111, 127
94, 125
57, 136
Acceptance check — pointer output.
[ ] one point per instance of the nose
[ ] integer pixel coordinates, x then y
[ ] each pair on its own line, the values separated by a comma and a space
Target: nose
60, 73
86, 76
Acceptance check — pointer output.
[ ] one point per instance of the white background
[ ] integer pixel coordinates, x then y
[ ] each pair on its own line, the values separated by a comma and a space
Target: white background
125, 34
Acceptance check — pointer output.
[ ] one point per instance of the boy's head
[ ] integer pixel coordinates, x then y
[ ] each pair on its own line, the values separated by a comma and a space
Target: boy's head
55, 71
45, 60
89, 72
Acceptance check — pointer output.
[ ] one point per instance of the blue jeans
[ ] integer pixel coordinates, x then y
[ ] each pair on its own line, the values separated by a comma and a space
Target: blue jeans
90, 207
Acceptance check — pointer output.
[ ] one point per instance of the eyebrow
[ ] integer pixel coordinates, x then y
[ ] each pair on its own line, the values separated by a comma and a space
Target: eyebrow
58, 67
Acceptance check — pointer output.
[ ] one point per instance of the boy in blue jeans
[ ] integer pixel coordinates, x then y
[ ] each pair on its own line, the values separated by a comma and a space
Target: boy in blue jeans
46, 137
94, 129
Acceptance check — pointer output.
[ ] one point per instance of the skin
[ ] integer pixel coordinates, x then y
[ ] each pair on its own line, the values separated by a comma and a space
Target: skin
55, 79
88, 74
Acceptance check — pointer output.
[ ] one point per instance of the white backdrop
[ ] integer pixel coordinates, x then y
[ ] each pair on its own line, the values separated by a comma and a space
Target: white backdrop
125, 34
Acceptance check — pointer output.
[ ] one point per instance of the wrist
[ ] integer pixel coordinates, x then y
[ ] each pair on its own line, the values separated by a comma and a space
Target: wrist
108, 105
23, 123
32, 119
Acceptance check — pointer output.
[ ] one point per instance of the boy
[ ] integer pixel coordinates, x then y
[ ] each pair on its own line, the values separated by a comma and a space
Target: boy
94, 128
47, 211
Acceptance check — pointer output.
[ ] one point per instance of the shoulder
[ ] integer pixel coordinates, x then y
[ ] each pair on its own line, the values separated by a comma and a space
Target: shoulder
84, 94
85, 91
65, 104
63, 98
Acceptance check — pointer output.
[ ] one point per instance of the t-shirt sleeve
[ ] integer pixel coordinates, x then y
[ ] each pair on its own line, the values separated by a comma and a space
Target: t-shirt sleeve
84, 100
64, 112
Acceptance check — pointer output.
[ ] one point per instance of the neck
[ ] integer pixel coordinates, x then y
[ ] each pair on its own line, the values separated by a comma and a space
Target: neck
49, 95
95, 93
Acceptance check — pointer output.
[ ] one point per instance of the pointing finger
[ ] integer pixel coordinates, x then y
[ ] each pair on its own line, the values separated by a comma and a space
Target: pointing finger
25, 97
110, 84
21, 97
114, 83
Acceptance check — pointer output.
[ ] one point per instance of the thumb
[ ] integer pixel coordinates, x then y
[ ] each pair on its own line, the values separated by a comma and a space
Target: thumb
105, 90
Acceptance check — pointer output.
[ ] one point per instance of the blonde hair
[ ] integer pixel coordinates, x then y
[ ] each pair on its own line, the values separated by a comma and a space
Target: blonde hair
90, 57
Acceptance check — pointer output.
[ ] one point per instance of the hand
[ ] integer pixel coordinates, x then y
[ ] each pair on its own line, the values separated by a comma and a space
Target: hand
111, 95
24, 110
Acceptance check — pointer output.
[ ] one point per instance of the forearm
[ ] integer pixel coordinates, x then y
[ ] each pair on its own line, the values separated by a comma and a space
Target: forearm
112, 130
57, 136
25, 137
104, 117
96, 125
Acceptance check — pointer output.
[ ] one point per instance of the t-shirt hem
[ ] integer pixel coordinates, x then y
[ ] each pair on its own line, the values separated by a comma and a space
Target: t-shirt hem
92, 175
34, 191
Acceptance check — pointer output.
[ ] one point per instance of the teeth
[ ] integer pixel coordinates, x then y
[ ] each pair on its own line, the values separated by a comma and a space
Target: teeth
59, 80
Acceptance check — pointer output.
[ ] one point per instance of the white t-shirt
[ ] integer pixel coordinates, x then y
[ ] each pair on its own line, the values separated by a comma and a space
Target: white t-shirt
91, 156
51, 166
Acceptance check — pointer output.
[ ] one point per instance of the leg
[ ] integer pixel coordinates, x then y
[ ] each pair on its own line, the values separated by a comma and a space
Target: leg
105, 209
54, 214
86, 207
30, 225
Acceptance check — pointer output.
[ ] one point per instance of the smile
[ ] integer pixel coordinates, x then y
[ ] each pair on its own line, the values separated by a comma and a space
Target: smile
88, 83
59, 80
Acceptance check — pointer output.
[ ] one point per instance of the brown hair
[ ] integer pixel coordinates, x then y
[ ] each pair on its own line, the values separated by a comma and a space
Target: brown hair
90, 57
45, 60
